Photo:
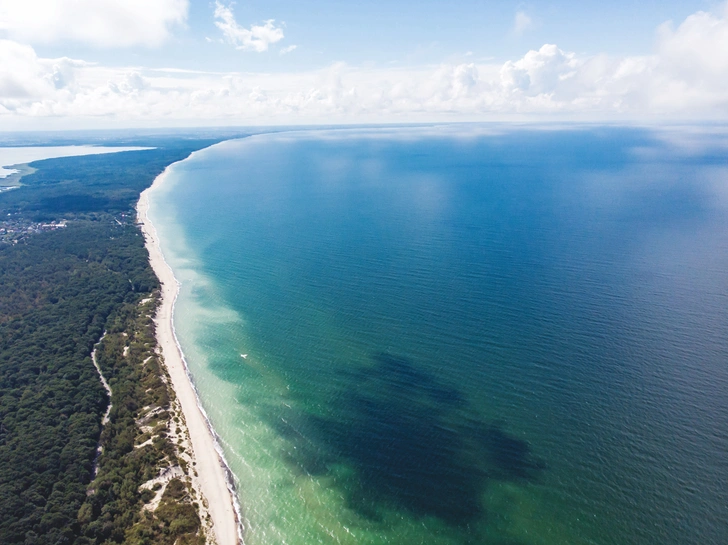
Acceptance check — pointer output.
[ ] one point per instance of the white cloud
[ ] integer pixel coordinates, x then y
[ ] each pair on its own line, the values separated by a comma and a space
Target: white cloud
256, 38
21, 76
539, 72
24, 77
683, 78
522, 22
287, 50
133, 82
103, 23
698, 49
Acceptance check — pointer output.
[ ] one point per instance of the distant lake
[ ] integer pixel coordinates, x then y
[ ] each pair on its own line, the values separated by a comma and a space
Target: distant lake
22, 155
461, 334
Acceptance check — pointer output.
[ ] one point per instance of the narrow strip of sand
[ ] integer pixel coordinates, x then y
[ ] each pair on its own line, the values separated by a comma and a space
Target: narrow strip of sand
211, 469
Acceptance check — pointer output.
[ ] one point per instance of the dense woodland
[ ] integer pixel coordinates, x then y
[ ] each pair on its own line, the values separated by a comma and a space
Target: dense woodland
59, 292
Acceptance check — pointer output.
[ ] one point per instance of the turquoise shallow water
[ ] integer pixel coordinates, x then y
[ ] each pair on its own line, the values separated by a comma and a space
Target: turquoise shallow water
461, 335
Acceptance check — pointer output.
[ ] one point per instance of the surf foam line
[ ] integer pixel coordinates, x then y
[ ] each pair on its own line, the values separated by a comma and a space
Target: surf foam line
232, 483
230, 478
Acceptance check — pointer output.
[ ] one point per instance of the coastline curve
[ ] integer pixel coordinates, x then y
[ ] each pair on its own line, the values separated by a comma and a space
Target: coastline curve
214, 477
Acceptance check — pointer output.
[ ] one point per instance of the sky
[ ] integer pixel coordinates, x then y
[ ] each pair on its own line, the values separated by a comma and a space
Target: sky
70, 64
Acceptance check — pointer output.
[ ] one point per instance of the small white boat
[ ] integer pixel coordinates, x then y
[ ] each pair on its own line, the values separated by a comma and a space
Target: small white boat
244, 356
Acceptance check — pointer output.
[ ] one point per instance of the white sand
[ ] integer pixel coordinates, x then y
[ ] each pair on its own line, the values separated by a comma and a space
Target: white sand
211, 469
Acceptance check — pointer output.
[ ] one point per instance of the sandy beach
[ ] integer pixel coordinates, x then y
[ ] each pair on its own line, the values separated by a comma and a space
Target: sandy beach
212, 474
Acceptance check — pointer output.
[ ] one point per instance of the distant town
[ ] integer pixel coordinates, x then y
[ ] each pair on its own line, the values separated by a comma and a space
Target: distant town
14, 230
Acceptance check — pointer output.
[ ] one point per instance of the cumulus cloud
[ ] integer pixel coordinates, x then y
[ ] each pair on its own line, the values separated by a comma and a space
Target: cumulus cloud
21, 75
698, 49
683, 78
132, 82
541, 72
256, 38
103, 23
24, 77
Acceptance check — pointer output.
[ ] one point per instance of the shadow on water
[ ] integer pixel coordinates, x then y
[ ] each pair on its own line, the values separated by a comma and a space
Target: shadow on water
412, 442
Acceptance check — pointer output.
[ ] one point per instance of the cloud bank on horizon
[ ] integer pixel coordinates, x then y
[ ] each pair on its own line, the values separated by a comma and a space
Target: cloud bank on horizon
684, 77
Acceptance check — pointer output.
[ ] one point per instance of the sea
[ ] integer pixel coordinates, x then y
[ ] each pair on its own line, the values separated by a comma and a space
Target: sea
461, 334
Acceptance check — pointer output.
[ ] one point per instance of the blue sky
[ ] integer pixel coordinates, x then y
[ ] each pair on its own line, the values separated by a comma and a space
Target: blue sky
402, 32
429, 31
92, 61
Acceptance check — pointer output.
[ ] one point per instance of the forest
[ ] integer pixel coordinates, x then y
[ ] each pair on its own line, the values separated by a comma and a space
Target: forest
60, 292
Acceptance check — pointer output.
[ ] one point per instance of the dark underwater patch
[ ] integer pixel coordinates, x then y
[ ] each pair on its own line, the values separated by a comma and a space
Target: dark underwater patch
412, 441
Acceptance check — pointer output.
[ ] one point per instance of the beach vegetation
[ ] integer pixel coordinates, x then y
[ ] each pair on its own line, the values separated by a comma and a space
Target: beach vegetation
61, 292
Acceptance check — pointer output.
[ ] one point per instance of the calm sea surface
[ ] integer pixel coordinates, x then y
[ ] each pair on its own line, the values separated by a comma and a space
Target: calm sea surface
461, 335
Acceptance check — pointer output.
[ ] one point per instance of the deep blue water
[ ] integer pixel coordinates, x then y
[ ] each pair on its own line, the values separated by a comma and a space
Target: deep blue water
462, 334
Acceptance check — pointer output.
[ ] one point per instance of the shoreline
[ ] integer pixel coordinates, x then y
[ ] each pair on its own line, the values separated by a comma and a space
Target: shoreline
213, 476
